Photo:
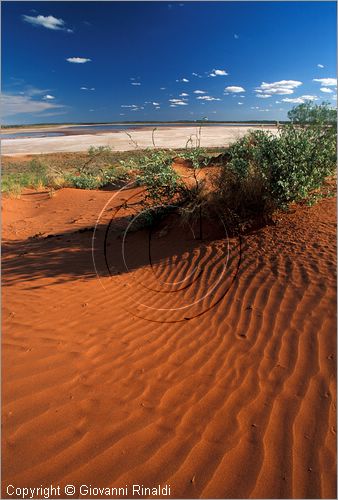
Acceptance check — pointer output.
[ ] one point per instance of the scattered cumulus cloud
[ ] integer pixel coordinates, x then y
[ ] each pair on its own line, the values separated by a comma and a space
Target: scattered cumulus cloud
156, 103
294, 100
327, 82
135, 83
184, 94
78, 60
263, 96
49, 97
282, 87
320, 65
234, 89
208, 98
218, 72
199, 92
185, 80
49, 22
326, 90
178, 102
301, 99
240, 103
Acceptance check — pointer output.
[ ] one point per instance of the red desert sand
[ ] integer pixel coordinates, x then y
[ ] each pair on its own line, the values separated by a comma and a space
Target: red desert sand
170, 368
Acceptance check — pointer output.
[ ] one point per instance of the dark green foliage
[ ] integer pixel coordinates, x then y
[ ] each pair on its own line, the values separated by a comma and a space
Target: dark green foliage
308, 113
266, 171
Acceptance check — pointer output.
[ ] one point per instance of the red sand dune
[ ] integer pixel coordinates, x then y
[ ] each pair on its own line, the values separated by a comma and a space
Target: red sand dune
144, 377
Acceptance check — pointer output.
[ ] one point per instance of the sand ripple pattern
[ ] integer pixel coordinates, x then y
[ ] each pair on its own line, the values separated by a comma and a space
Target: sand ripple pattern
238, 402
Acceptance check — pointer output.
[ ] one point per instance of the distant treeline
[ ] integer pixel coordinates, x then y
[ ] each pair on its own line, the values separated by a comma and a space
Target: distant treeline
192, 122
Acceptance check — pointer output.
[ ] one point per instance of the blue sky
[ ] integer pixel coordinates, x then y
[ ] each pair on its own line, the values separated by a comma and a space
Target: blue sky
116, 61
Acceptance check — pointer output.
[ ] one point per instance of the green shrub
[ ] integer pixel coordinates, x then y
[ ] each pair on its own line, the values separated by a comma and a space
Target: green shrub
155, 172
83, 181
308, 113
35, 176
266, 171
197, 156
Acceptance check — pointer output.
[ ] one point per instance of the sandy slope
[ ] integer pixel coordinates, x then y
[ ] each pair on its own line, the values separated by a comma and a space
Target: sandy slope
231, 396
165, 137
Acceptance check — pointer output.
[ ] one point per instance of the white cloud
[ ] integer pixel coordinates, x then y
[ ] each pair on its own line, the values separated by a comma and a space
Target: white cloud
326, 90
218, 72
129, 106
135, 83
49, 22
320, 66
208, 98
184, 94
78, 60
19, 104
156, 103
178, 102
199, 92
327, 82
295, 100
49, 97
83, 88
240, 103
234, 89
263, 96
282, 87
185, 80
236, 37
301, 99
309, 97
162, 88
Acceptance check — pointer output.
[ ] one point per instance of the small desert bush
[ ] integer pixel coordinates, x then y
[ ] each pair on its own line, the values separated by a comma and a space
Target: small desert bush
96, 179
35, 177
265, 171
196, 155
93, 172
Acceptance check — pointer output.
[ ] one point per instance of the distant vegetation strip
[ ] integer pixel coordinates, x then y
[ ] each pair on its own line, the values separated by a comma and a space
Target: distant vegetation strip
192, 122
